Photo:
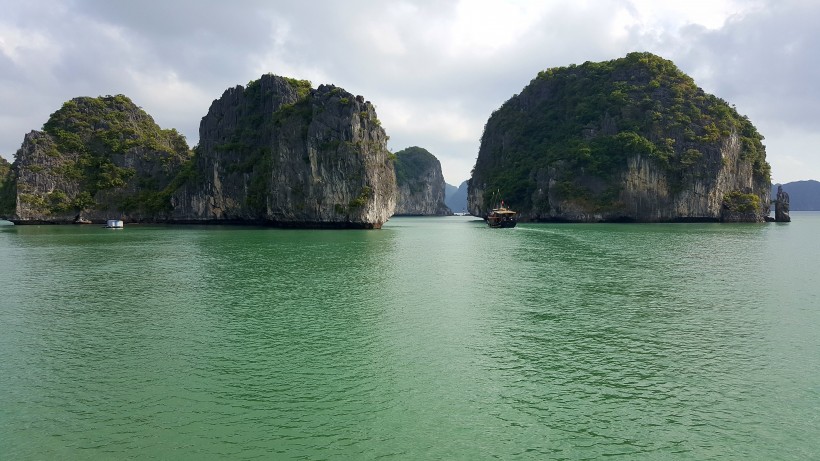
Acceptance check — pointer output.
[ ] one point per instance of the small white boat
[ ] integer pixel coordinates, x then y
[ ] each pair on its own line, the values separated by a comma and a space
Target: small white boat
114, 224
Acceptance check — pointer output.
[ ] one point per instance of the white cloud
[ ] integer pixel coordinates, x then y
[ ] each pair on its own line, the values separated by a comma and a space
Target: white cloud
435, 69
486, 27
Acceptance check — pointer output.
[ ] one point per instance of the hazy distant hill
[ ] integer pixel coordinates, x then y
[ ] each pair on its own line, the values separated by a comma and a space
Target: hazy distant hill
803, 195
420, 184
456, 197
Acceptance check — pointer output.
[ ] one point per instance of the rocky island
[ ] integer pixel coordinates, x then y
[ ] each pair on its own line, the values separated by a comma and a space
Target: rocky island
275, 152
420, 184
632, 139
278, 152
95, 158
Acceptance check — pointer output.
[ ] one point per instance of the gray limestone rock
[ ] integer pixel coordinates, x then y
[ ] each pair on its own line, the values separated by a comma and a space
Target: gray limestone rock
278, 152
420, 184
96, 159
781, 206
633, 139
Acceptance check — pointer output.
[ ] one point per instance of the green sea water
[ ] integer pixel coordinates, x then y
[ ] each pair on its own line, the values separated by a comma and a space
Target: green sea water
433, 338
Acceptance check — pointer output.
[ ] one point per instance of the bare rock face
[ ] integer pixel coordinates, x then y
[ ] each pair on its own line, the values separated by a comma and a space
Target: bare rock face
280, 153
96, 158
781, 206
421, 184
633, 139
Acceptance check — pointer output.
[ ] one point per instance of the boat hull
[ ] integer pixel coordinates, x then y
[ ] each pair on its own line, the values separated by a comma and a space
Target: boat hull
502, 224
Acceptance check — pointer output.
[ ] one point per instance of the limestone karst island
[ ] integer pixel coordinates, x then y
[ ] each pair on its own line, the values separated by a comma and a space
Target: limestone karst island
628, 140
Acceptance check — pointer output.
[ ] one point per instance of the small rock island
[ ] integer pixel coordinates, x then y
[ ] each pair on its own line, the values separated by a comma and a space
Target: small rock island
421, 184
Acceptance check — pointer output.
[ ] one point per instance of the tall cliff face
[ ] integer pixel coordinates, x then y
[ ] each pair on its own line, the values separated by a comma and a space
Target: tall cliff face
95, 159
633, 139
8, 189
281, 153
420, 183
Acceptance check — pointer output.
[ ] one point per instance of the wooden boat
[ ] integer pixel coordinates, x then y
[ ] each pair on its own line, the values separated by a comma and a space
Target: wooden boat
502, 217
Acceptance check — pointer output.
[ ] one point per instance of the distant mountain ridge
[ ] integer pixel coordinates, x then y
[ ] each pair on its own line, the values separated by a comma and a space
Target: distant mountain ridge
456, 197
803, 195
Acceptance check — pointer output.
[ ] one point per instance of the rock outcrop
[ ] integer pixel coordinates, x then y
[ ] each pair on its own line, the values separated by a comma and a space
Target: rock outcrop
96, 158
803, 195
420, 184
633, 139
781, 206
8, 189
278, 152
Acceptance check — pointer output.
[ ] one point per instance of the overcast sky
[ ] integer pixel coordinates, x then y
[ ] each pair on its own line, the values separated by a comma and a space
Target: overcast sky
434, 69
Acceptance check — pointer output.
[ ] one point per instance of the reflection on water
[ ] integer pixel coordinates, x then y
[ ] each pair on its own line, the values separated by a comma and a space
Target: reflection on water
432, 338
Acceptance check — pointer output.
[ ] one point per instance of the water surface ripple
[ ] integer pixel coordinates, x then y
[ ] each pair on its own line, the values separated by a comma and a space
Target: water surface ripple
434, 338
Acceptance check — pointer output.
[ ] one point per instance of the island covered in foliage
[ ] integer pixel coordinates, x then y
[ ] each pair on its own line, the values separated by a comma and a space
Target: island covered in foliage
420, 182
95, 155
274, 152
632, 139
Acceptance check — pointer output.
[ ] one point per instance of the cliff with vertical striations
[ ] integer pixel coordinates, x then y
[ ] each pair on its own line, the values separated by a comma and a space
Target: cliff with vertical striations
420, 184
633, 139
278, 152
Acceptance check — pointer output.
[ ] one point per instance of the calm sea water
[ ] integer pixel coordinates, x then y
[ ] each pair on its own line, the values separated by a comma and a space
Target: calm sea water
433, 338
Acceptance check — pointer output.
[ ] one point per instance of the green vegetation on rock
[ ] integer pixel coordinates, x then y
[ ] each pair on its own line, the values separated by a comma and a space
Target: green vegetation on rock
275, 151
108, 154
583, 122
739, 202
412, 162
246, 154
420, 183
8, 188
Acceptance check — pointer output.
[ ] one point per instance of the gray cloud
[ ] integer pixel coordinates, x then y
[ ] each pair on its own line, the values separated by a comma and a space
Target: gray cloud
434, 84
763, 62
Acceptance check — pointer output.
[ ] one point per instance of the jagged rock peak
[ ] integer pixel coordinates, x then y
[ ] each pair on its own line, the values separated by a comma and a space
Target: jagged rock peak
781, 208
279, 152
420, 182
632, 139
